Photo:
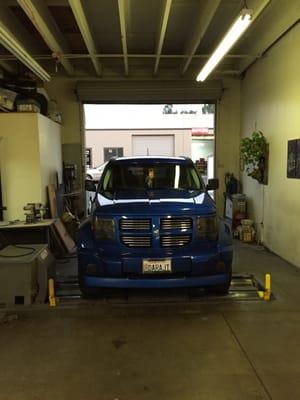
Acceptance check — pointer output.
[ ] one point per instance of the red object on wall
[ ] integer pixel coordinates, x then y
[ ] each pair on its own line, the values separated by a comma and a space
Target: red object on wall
202, 132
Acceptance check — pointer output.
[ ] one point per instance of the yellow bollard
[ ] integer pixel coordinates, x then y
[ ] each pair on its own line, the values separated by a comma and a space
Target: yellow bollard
52, 299
268, 291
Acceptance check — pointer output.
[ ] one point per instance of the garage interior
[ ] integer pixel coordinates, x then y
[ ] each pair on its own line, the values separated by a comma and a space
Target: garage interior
55, 57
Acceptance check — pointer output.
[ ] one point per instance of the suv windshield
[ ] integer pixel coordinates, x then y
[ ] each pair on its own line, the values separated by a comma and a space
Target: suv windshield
139, 176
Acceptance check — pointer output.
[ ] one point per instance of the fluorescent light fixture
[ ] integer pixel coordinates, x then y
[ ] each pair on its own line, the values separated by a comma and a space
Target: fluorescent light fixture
236, 30
14, 47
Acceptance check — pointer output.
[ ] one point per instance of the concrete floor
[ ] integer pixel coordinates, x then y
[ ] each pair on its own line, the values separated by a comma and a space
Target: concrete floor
236, 351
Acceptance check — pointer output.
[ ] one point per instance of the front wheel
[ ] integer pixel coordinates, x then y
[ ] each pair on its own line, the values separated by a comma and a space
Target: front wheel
221, 289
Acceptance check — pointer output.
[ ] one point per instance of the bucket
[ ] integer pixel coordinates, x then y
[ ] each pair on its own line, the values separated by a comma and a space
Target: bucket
247, 231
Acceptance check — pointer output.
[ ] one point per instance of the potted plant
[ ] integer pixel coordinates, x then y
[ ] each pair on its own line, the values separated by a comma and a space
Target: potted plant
254, 153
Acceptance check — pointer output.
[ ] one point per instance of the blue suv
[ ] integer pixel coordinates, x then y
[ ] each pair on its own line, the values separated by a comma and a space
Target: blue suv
154, 225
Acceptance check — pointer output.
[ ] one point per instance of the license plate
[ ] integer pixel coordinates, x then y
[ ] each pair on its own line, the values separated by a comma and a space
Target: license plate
156, 266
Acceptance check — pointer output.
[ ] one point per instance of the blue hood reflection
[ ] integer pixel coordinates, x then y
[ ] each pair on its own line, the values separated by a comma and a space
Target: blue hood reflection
156, 202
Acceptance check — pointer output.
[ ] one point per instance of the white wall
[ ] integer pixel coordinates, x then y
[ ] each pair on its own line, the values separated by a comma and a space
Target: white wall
26, 172
50, 153
271, 102
98, 139
62, 90
227, 135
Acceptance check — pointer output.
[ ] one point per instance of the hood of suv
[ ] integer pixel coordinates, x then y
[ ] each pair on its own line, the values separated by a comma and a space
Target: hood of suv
156, 204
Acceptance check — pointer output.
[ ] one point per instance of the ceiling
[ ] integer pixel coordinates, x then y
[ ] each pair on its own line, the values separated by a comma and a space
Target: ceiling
137, 39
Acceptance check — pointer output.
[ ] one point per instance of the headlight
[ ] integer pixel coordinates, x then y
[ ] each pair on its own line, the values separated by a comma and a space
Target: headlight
207, 228
104, 228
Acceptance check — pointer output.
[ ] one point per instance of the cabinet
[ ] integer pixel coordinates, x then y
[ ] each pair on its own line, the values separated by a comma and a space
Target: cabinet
30, 159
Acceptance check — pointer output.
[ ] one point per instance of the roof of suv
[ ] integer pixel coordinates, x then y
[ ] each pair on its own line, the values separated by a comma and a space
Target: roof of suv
182, 160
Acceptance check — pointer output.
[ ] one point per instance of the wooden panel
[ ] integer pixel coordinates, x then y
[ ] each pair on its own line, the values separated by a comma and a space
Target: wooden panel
66, 239
52, 200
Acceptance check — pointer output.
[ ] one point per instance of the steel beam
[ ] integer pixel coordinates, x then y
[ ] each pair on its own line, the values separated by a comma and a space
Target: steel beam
14, 25
162, 32
8, 40
41, 18
121, 6
80, 16
74, 56
205, 17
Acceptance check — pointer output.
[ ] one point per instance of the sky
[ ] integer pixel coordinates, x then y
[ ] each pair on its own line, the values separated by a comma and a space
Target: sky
150, 116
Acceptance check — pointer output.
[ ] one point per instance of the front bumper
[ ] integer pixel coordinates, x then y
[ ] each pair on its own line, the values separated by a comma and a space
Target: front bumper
126, 272
155, 283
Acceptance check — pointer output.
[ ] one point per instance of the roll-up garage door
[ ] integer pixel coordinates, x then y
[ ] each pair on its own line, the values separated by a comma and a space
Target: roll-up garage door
153, 145
148, 91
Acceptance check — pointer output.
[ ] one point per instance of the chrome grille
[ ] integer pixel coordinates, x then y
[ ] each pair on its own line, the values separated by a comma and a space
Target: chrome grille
136, 241
135, 224
175, 241
176, 223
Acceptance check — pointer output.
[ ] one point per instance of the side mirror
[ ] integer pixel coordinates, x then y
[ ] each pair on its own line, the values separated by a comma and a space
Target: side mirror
213, 184
90, 186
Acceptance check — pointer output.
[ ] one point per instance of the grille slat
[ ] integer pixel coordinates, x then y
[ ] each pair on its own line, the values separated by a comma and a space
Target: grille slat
175, 241
136, 241
135, 224
176, 223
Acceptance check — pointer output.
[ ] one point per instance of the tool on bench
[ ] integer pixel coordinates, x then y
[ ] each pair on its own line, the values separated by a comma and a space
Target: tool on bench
34, 212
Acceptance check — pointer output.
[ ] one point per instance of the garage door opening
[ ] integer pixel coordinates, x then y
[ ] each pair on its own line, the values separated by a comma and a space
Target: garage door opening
149, 130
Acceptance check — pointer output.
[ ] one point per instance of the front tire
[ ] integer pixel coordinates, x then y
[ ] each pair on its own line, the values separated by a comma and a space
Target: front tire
221, 289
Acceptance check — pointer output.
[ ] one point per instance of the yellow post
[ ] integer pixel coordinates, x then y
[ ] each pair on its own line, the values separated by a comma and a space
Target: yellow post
268, 290
52, 299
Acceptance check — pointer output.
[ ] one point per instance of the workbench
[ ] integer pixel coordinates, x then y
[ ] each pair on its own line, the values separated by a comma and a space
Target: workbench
20, 232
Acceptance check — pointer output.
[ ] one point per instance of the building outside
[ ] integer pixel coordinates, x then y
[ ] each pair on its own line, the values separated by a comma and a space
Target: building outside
166, 130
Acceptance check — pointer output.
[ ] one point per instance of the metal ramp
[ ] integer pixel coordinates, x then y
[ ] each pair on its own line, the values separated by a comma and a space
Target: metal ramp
243, 288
